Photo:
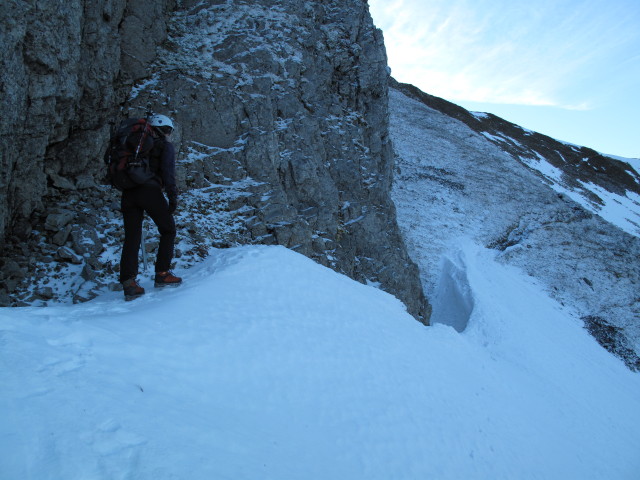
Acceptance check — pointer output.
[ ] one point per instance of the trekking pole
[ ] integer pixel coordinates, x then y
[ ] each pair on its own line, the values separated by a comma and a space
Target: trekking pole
143, 247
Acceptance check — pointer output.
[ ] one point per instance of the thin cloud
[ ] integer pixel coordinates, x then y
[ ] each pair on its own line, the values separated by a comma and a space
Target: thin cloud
538, 53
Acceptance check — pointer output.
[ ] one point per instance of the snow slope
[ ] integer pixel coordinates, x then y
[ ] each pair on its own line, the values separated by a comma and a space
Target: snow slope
265, 365
452, 182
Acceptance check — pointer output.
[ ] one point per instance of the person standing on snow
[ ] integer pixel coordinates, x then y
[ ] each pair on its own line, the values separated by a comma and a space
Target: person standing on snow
149, 198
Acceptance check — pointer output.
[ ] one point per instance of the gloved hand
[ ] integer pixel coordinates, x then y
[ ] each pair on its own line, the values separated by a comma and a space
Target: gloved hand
173, 203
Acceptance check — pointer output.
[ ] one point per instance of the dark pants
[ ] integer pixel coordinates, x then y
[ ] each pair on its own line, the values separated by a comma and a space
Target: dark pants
145, 198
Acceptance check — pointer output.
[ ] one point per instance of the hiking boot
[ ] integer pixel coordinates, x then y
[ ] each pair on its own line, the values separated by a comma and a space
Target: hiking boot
167, 279
132, 290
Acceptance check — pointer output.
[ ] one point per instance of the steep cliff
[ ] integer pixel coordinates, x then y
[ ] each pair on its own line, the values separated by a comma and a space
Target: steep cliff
282, 134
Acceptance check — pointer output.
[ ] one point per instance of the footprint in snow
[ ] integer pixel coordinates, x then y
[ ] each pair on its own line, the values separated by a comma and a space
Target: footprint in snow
118, 450
59, 367
69, 353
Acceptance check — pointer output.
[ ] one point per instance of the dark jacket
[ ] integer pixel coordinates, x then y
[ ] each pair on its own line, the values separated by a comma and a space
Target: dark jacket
162, 162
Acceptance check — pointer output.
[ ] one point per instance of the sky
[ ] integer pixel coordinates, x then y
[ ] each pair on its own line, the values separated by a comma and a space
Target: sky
567, 68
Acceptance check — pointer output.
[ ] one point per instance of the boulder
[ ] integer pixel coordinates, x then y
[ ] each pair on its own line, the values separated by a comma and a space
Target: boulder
58, 221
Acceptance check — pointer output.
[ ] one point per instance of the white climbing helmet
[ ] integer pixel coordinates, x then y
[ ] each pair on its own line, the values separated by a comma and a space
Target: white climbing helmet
160, 121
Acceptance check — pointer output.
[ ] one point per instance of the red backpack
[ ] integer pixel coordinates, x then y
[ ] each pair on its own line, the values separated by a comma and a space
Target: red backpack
127, 157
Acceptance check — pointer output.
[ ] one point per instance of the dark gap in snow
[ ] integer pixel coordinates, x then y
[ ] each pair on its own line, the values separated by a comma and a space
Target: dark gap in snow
453, 302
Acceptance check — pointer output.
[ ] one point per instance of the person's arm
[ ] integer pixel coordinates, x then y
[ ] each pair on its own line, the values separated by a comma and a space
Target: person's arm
168, 169
169, 175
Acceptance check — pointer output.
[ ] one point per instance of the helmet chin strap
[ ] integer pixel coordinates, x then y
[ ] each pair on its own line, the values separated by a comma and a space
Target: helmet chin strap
159, 132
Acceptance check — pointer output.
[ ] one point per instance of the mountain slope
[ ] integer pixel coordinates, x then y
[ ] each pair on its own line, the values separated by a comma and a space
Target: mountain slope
453, 181
602, 184
267, 365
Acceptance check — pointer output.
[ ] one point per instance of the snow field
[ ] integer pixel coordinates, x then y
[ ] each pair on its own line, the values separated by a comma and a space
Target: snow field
267, 365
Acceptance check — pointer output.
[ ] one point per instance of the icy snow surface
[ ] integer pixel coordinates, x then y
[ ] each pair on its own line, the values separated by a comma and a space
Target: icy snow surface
265, 365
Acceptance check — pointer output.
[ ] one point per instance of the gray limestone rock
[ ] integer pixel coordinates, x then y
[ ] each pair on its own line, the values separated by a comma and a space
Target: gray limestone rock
61, 237
65, 67
45, 293
300, 108
86, 241
58, 221
65, 254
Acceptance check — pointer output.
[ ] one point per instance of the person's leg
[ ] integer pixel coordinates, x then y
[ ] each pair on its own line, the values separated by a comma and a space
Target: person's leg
132, 215
158, 209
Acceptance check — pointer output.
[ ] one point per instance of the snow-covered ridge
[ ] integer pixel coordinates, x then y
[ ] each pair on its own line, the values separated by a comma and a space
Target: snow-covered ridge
266, 365
606, 185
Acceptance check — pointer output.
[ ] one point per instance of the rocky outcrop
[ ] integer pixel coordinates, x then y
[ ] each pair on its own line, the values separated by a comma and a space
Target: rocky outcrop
282, 118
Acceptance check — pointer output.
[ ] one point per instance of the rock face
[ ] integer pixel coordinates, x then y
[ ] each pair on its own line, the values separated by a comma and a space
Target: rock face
281, 108
66, 66
291, 96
